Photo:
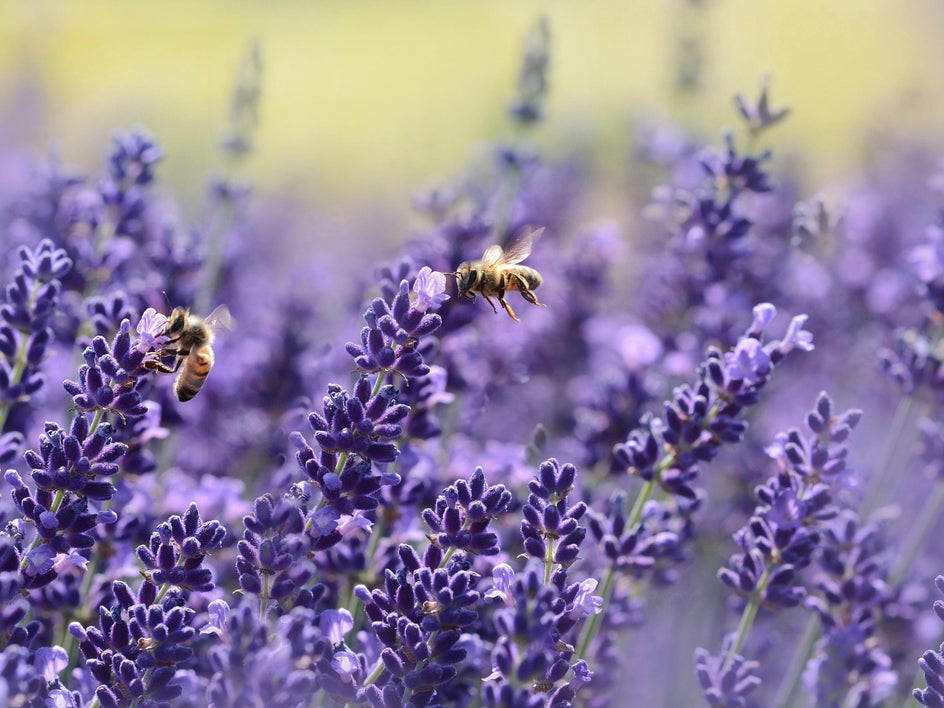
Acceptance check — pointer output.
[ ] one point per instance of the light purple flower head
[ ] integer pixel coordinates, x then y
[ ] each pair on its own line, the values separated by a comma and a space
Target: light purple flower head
586, 603
582, 675
60, 698
429, 289
324, 521
748, 361
437, 379
352, 523
63, 563
344, 664
335, 624
797, 337
217, 616
503, 576
150, 329
763, 314
39, 560
50, 661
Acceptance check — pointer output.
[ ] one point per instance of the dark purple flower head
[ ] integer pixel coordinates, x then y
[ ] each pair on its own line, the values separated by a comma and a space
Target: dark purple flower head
551, 523
782, 535
355, 435
76, 461
112, 375
176, 551
31, 300
137, 646
464, 512
272, 553
389, 341
634, 548
700, 419
419, 616
532, 655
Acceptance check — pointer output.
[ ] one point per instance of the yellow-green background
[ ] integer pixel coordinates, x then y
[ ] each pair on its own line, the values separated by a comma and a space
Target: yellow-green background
374, 100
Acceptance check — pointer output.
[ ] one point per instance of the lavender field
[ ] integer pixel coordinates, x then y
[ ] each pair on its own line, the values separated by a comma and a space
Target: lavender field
706, 467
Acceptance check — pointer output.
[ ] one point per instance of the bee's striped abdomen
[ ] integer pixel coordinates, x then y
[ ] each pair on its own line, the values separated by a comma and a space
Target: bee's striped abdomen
193, 373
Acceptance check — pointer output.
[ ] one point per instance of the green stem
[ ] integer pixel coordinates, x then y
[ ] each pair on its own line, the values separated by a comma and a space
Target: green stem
886, 474
96, 420
375, 673
381, 377
549, 561
264, 597
917, 534
213, 264
791, 678
747, 617
593, 624
609, 580
645, 494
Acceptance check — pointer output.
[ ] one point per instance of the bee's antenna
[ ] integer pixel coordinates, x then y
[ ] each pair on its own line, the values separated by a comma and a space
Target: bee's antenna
166, 299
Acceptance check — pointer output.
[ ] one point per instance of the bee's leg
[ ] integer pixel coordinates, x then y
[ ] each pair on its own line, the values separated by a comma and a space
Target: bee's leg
155, 365
511, 313
158, 365
525, 292
469, 294
494, 309
501, 299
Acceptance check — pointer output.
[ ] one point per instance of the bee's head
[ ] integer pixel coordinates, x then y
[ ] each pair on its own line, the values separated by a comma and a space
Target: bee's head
177, 322
466, 277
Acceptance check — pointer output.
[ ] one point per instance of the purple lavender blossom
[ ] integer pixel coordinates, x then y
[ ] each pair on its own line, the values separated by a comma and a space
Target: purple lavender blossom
30, 302
786, 528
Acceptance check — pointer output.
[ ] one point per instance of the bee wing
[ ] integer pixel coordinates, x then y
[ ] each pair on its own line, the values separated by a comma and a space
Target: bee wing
492, 255
521, 248
220, 319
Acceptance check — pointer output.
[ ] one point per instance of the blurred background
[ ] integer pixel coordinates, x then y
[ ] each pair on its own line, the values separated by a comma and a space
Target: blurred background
363, 104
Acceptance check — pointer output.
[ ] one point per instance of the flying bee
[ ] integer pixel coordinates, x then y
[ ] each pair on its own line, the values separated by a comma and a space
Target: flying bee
497, 272
190, 342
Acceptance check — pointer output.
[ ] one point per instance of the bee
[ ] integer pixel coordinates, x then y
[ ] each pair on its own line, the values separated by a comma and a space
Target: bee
497, 272
190, 339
